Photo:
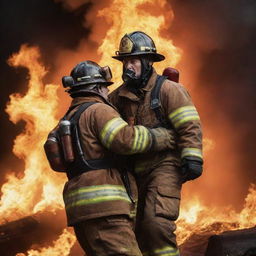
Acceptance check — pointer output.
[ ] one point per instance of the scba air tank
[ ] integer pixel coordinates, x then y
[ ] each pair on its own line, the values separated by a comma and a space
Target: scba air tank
66, 140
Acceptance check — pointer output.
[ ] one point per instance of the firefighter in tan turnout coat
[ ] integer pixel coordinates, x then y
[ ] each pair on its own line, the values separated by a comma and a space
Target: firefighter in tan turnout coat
159, 175
96, 197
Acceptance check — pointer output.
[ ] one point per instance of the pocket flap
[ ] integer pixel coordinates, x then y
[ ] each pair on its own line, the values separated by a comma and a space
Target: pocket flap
169, 192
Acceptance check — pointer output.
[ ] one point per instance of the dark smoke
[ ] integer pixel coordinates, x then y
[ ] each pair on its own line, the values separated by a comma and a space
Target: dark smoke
218, 38
42, 23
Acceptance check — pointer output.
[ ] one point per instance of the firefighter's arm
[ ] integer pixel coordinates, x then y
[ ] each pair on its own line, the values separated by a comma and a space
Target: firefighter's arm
115, 134
184, 118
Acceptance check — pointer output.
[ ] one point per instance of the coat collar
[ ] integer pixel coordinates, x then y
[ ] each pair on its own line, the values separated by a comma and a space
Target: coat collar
89, 98
124, 92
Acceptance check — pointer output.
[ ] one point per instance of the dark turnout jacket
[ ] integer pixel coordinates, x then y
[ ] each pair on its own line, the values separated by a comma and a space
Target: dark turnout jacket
177, 108
99, 193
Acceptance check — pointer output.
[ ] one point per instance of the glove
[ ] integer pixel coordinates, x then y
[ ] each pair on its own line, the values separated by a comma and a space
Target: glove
191, 168
162, 139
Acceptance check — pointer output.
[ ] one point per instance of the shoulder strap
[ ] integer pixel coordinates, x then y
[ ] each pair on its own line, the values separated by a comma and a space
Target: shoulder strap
155, 102
76, 131
155, 94
74, 118
84, 164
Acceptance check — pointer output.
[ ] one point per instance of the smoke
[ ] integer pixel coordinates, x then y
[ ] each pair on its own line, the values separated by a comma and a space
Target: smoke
41, 23
217, 66
218, 40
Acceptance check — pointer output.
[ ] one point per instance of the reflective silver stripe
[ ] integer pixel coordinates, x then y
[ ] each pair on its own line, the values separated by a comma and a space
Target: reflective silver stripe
141, 139
183, 115
166, 251
147, 48
110, 129
88, 77
192, 152
95, 194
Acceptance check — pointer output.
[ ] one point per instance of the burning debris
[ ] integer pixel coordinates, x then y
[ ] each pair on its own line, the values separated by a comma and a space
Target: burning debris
234, 243
16, 236
36, 231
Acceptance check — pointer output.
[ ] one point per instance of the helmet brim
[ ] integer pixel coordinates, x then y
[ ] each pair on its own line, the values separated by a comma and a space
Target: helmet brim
83, 89
155, 57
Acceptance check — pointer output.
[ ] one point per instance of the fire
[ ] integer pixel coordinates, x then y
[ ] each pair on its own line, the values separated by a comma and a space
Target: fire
195, 217
60, 247
125, 17
40, 189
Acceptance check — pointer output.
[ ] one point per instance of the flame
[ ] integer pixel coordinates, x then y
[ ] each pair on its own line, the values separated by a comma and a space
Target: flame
195, 217
125, 17
60, 247
40, 189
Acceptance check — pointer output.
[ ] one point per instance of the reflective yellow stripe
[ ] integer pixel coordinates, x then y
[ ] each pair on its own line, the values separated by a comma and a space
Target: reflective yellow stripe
186, 119
183, 115
136, 137
181, 110
94, 189
166, 251
110, 129
95, 194
192, 152
141, 139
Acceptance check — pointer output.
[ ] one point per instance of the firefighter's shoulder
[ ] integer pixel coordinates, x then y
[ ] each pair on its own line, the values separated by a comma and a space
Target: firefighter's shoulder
102, 112
174, 95
100, 116
171, 88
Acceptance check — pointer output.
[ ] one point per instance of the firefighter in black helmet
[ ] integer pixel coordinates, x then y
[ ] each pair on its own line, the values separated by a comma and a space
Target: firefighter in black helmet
85, 76
159, 175
100, 197
140, 45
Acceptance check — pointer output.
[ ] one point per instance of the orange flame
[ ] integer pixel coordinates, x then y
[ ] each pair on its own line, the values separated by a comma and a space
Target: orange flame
125, 17
60, 247
39, 188
195, 217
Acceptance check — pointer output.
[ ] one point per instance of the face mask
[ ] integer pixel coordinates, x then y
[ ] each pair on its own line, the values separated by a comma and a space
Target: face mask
129, 74
134, 82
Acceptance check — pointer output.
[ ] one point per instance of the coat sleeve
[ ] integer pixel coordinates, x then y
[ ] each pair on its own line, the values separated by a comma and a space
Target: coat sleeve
116, 135
183, 116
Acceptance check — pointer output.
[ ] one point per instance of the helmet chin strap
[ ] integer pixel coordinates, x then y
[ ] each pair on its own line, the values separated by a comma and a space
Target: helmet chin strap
132, 81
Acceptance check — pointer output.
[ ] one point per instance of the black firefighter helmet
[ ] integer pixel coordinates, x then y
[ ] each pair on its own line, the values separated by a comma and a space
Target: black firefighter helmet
85, 76
137, 44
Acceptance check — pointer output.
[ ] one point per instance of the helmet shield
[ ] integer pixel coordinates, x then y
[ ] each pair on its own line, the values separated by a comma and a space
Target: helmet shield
137, 44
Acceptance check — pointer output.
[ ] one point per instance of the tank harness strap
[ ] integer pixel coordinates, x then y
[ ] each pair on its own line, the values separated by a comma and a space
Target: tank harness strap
82, 165
155, 102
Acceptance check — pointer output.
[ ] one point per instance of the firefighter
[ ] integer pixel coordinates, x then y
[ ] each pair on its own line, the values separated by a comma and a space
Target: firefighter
159, 175
98, 197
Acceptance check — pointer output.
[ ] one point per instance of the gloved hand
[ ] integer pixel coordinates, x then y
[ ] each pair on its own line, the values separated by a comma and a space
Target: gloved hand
162, 139
191, 168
